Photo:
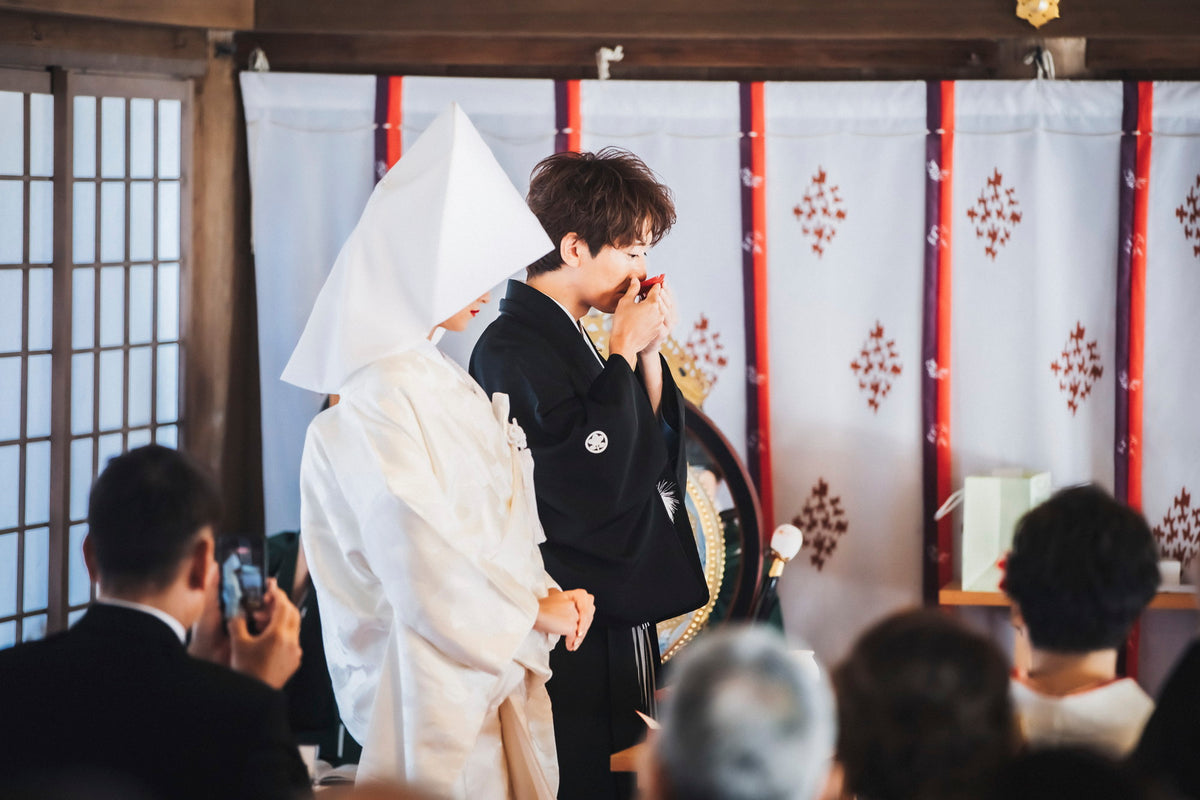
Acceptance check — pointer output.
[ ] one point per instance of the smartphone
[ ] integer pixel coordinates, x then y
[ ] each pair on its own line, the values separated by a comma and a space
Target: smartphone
243, 566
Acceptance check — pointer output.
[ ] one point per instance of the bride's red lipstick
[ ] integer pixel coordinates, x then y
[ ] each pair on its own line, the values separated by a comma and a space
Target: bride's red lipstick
474, 312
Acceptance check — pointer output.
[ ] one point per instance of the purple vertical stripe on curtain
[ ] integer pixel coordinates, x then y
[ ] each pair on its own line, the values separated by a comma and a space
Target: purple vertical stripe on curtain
1127, 177
748, 288
929, 342
562, 117
379, 166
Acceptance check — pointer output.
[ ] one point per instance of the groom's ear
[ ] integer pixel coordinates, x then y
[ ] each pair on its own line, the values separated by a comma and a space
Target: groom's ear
570, 249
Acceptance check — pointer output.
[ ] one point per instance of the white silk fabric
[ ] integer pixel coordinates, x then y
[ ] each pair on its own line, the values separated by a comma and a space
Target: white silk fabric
515, 117
421, 531
442, 227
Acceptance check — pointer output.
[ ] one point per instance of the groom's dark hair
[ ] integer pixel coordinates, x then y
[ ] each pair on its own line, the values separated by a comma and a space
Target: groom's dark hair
607, 198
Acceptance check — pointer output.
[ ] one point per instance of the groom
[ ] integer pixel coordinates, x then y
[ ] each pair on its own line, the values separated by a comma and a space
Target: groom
607, 442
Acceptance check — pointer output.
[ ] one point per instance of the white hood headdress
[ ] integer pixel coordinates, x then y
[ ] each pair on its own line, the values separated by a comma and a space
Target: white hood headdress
442, 227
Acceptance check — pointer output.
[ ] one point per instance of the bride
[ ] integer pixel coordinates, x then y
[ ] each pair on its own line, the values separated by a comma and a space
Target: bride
418, 516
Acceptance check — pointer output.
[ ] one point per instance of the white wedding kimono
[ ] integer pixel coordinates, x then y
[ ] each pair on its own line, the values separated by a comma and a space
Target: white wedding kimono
1108, 718
421, 531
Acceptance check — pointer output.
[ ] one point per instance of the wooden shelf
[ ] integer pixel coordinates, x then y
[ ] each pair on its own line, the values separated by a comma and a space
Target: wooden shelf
1175, 601
952, 594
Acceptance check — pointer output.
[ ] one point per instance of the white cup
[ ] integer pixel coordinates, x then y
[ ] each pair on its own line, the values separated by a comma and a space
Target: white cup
308, 754
1168, 570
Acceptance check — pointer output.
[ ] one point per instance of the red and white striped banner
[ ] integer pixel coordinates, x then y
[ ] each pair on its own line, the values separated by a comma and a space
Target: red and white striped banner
893, 285
1169, 176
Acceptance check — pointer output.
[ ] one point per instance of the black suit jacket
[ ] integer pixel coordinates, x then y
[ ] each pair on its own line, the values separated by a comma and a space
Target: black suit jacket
117, 696
601, 462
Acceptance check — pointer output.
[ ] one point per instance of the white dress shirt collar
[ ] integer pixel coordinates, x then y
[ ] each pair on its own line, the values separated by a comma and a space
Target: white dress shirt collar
175, 625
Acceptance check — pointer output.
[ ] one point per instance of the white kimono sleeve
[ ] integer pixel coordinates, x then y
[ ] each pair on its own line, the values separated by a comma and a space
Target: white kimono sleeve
447, 624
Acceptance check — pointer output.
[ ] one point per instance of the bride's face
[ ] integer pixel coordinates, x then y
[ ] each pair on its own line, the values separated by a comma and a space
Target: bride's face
460, 320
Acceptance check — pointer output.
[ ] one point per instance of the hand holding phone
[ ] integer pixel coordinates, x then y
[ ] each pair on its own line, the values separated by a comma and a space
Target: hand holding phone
273, 655
243, 567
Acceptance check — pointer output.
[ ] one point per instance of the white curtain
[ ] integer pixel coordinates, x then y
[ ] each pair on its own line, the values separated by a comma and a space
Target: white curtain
689, 134
515, 118
845, 246
1035, 180
1170, 427
311, 152
1035, 226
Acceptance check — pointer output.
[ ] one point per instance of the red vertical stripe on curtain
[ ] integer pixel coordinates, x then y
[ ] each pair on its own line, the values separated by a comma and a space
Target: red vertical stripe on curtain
574, 117
567, 117
395, 118
1137, 327
1137, 291
945, 232
758, 193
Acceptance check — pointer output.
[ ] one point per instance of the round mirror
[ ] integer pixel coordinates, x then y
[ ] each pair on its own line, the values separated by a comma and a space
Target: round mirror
726, 521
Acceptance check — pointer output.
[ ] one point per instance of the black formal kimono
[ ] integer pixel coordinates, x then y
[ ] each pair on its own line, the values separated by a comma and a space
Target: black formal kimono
610, 479
116, 701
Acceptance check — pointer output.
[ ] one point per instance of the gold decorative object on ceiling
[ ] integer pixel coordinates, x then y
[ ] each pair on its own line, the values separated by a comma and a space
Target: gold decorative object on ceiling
1037, 12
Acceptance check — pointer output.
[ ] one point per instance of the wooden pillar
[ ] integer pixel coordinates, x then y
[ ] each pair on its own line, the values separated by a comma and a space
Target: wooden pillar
222, 398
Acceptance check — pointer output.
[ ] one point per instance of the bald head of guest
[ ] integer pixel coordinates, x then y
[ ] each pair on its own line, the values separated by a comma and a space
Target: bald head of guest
744, 720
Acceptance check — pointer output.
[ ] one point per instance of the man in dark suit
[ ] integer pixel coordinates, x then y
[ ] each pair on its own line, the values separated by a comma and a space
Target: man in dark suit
607, 443
117, 700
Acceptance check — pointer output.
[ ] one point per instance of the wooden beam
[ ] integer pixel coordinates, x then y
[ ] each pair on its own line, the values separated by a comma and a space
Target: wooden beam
724, 58
1165, 59
226, 14
618, 21
44, 40
559, 57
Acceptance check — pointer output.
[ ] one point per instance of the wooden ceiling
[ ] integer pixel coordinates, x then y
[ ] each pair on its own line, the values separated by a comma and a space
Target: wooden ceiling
699, 39
755, 19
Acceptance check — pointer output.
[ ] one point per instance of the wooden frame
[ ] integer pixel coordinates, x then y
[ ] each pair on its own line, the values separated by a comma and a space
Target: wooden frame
27, 83
64, 87
68, 87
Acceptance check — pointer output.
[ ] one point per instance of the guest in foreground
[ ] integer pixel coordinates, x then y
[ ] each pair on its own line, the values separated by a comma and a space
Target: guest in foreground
1055, 773
1170, 741
1082, 568
116, 700
607, 441
923, 711
419, 521
745, 720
